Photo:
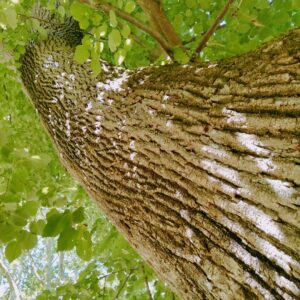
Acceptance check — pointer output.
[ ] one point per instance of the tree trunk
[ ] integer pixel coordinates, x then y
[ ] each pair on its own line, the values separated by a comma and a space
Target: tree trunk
197, 165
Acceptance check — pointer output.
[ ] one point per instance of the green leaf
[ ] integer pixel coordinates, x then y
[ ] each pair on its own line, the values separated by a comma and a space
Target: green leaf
28, 209
11, 17
13, 251
95, 64
120, 56
9, 198
43, 33
102, 30
97, 18
198, 28
87, 42
243, 28
296, 4
37, 227
191, 3
180, 56
18, 220
128, 45
81, 54
114, 40
84, 23
189, 13
78, 215
3, 137
126, 31
205, 3
296, 19
7, 232
84, 245
39, 161
113, 19
35, 24
27, 240
18, 180
78, 10
67, 239
56, 223
178, 21
61, 11
129, 7
51, 5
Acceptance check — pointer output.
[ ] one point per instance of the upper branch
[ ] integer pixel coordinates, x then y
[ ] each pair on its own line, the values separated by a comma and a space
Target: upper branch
125, 16
160, 21
214, 26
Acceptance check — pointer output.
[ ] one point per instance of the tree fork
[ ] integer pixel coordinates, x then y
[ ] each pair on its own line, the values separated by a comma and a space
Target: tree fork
197, 165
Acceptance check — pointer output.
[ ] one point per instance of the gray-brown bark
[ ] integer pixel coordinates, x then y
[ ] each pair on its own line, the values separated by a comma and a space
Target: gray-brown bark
198, 165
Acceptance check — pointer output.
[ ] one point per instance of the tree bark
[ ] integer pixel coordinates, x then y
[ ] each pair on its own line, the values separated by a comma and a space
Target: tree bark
197, 165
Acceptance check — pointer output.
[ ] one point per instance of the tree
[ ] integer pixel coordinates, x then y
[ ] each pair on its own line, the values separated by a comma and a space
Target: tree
197, 164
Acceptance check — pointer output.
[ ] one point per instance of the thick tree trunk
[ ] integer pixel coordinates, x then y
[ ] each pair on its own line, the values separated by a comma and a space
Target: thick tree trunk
198, 165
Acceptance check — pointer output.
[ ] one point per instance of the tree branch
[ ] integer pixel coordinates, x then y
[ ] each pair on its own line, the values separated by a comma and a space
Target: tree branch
35, 271
146, 282
123, 284
61, 267
11, 282
160, 21
214, 26
125, 16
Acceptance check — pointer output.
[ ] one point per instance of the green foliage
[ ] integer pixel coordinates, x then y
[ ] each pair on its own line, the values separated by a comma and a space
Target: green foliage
12, 251
40, 204
180, 56
82, 53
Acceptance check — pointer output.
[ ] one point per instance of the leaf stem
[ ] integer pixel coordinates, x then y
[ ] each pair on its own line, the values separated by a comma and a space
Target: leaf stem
123, 284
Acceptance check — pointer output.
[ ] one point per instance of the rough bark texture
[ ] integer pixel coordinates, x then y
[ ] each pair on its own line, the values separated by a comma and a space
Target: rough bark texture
198, 165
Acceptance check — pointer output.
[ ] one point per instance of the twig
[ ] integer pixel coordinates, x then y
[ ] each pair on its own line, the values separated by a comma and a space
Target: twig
123, 284
36, 18
137, 40
61, 267
48, 22
10, 280
104, 286
125, 16
35, 271
146, 282
115, 272
213, 27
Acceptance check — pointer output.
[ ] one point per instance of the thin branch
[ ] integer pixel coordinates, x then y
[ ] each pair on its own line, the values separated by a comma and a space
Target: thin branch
146, 282
35, 270
45, 21
36, 18
214, 26
61, 267
123, 284
115, 272
104, 286
10, 280
125, 16
137, 40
